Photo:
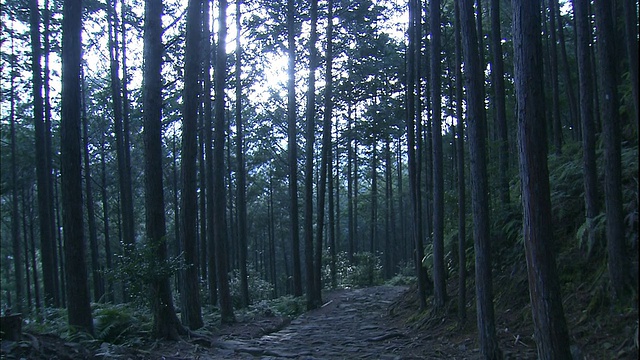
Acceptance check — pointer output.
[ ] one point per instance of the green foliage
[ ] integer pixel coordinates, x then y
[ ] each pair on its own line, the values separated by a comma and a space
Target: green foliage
366, 270
139, 265
286, 305
119, 324
259, 289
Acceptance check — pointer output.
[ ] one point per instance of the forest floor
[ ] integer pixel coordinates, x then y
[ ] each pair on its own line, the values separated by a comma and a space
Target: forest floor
380, 322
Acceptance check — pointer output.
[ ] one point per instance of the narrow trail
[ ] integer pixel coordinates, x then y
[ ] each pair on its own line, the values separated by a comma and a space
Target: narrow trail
353, 324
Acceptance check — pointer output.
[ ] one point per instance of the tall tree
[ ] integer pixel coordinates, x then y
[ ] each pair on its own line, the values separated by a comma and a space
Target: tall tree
96, 276
220, 236
499, 99
609, 103
631, 32
124, 171
462, 218
208, 152
70, 154
585, 72
551, 333
479, 187
189, 203
292, 149
309, 147
241, 196
165, 321
325, 163
412, 50
43, 172
439, 276
555, 86
15, 223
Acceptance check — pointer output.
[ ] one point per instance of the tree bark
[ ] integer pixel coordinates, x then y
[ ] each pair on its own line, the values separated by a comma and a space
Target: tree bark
165, 321
292, 149
589, 167
77, 288
618, 263
462, 223
439, 275
208, 152
190, 293
479, 187
241, 174
226, 304
43, 174
96, 276
499, 99
312, 297
551, 333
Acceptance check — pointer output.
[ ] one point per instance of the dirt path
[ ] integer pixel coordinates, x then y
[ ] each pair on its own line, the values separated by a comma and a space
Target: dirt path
353, 324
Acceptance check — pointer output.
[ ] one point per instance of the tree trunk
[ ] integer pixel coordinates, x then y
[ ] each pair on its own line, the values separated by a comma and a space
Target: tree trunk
499, 99
414, 40
15, 215
609, 103
165, 321
208, 152
439, 275
189, 203
309, 142
45, 193
96, 276
226, 305
106, 217
585, 71
462, 236
326, 160
551, 334
631, 32
479, 187
292, 148
573, 108
241, 174
70, 154
555, 88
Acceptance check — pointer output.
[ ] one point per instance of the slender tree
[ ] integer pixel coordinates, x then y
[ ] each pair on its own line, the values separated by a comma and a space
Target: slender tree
15, 223
241, 196
165, 321
555, 86
462, 218
499, 99
551, 333
208, 152
43, 173
309, 150
325, 162
192, 313
618, 264
220, 235
292, 148
96, 276
631, 32
124, 171
414, 40
70, 153
479, 187
585, 72
439, 276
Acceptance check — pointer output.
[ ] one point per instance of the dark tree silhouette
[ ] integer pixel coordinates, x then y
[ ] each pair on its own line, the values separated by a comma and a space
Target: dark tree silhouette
551, 334
165, 321
479, 187
77, 287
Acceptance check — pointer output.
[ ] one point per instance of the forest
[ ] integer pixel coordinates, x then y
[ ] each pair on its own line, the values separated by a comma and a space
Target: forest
181, 171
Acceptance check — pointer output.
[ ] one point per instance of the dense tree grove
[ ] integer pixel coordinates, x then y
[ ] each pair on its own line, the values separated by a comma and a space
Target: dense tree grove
230, 152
